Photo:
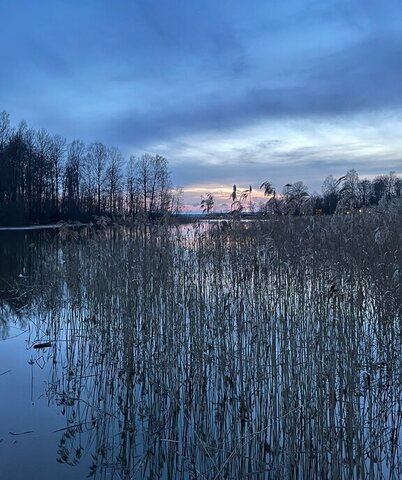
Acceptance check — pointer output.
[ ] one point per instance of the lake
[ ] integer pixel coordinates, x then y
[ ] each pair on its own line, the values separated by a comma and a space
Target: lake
230, 351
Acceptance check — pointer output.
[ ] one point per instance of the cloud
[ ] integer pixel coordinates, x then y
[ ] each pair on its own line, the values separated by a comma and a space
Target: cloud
285, 152
364, 78
290, 90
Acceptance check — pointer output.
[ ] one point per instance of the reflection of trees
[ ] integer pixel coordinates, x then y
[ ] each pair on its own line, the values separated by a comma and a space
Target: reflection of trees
265, 351
24, 274
15, 261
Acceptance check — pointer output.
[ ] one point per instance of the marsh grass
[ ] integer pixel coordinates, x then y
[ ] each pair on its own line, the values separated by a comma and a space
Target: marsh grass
260, 350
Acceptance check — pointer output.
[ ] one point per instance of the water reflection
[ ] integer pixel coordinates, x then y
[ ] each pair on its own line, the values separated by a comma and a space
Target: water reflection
228, 355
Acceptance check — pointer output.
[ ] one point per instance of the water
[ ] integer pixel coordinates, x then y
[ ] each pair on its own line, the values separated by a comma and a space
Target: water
251, 351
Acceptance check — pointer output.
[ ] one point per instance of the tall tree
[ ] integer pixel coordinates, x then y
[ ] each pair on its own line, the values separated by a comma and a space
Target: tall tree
330, 194
73, 188
114, 180
57, 158
132, 188
5, 130
97, 157
153, 183
366, 189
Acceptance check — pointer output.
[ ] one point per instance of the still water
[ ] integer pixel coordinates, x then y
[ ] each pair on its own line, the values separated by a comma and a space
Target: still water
180, 355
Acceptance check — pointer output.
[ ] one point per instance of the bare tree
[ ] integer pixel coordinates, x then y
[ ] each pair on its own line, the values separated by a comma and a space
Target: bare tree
57, 153
154, 184
366, 191
73, 188
5, 129
97, 162
143, 180
176, 200
114, 178
42, 178
132, 190
160, 184
330, 194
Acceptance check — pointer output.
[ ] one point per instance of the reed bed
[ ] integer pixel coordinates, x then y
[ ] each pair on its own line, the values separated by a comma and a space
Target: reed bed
234, 350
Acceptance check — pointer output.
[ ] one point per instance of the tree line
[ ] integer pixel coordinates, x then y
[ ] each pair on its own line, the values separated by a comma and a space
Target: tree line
45, 179
346, 194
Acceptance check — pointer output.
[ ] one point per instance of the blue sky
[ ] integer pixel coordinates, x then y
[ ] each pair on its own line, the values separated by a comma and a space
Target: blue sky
229, 91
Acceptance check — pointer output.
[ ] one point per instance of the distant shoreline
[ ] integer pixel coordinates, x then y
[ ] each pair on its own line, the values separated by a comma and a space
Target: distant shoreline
42, 227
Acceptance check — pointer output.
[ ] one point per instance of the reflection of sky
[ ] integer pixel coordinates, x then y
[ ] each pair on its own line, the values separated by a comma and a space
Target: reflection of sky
229, 93
25, 408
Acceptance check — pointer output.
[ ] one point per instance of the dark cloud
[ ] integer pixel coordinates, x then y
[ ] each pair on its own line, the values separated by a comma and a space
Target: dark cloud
364, 78
146, 73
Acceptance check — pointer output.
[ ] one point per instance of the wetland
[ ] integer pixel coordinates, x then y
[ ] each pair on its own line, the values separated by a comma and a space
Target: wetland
261, 350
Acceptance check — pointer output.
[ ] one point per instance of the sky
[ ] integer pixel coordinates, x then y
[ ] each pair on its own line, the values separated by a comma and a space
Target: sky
229, 91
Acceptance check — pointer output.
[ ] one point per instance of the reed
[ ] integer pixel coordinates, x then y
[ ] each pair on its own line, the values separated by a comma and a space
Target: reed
234, 350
